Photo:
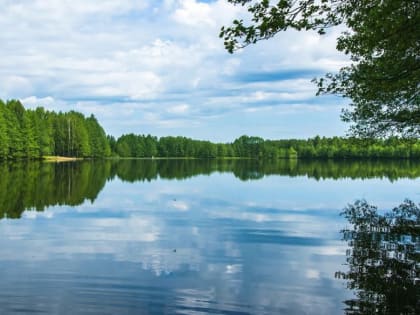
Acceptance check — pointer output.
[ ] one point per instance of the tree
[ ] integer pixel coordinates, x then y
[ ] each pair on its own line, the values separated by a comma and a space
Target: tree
31, 134
79, 140
44, 131
98, 142
151, 146
4, 139
14, 120
382, 40
112, 144
30, 141
123, 149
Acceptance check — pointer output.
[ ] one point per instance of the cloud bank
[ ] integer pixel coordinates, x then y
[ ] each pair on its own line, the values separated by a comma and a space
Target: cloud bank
159, 67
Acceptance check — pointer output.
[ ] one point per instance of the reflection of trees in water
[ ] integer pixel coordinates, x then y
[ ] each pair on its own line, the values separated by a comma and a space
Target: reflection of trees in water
140, 170
353, 169
383, 259
36, 185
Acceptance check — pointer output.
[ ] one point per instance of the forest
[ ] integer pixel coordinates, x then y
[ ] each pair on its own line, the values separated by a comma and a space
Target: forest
257, 148
33, 134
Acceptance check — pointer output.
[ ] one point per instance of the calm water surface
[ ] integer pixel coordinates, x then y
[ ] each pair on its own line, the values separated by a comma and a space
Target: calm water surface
186, 237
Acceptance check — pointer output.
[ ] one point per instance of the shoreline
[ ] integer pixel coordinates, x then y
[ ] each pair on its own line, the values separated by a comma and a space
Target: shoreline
58, 159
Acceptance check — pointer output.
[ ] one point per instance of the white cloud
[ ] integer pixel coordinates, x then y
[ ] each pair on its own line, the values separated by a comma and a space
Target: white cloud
194, 13
33, 101
13, 85
204, 15
164, 58
132, 85
63, 9
179, 109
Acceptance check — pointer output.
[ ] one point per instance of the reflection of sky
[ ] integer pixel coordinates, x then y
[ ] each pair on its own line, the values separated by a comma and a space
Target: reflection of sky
206, 244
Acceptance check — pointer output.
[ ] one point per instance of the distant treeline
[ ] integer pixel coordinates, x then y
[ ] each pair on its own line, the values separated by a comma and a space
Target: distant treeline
257, 148
37, 185
32, 134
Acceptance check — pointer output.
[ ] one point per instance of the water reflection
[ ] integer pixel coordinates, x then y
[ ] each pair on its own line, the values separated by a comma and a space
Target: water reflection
135, 170
158, 239
37, 185
383, 259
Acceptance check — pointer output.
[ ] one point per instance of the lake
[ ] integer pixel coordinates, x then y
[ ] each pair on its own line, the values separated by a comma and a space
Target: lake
186, 236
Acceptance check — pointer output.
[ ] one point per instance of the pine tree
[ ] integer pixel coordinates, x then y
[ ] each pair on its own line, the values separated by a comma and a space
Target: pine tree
4, 139
14, 120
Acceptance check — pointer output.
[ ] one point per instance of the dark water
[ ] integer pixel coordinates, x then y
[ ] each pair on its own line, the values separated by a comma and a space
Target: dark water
197, 237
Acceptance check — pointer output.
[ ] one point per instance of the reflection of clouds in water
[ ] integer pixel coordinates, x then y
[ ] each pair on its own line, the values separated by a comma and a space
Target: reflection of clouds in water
164, 261
312, 274
32, 214
232, 249
237, 248
231, 269
133, 229
240, 215
179, 205
195, 231
337, 248
220, 249
308, 223
134, 239
149, 239
66, 237
195, 298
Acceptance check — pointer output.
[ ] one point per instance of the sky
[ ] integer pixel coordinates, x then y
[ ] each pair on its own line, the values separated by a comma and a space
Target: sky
158, 67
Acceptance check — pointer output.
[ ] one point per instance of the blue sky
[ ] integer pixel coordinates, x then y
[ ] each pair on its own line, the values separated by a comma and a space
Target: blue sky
159, 67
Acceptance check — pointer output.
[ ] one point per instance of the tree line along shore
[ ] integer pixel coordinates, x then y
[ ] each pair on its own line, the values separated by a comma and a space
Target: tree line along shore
39, 133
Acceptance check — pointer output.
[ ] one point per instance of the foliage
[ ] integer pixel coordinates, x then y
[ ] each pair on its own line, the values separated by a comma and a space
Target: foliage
382, 39
383, 259
31, 134
141, 146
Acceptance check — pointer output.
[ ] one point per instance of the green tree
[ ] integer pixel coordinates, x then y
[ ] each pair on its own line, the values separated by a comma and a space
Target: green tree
80, 145
60, 132
150, 146
99, 145
382, 40
44, 131
14, 120
112, 144
30, 141
123, 149
4, 139
30, 134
